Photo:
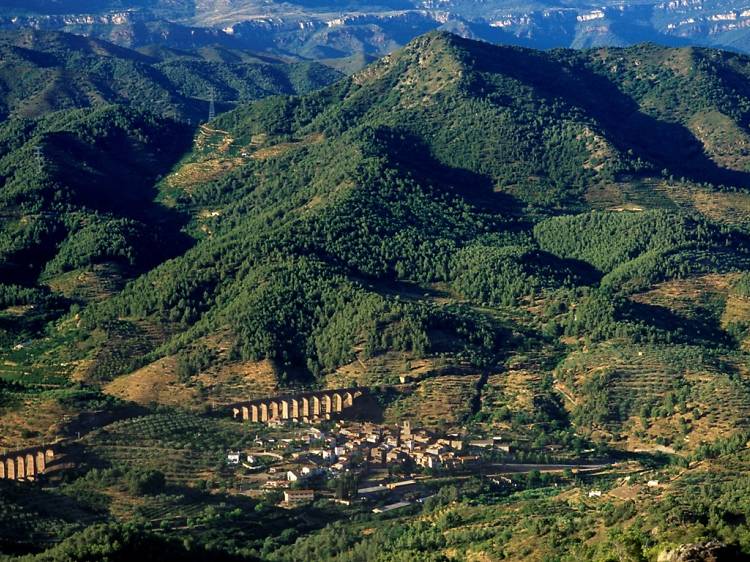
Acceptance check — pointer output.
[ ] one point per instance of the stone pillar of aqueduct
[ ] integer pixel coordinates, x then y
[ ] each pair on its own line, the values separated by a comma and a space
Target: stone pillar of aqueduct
306, 406
26, 464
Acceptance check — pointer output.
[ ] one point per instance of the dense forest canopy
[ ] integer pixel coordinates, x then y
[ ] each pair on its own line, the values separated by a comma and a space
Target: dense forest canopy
445, 163
62, 71
442, 164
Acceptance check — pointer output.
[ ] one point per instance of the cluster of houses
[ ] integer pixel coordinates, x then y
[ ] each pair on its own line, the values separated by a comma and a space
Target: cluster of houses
385, 447
314, 455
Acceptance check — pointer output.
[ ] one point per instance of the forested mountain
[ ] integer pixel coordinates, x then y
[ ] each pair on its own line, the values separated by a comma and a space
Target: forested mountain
449, 163
48, 71
549, 245
89, 128
77, 190
432, 167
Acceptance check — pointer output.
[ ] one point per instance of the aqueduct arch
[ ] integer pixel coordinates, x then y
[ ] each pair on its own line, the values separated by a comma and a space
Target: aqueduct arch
303, 406
25, 464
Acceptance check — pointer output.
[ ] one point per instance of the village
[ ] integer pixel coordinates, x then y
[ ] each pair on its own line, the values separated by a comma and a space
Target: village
347, 461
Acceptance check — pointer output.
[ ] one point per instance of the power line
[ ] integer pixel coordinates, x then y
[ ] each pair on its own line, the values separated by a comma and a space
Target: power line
212, 105
39, 156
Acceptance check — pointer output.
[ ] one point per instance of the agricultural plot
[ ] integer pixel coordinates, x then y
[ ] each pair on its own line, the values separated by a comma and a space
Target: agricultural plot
44, 363
124, 344
186, 448
443, 400
697, 298
657, 193
30, 518
679, 395
510, 394
92, 284
389, 368
633, 195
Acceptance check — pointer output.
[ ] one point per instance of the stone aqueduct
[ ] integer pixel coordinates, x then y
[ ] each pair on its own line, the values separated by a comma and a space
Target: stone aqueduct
304, 406
25, 464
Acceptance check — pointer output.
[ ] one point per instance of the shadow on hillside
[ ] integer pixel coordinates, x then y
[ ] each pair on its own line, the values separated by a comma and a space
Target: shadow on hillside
117, 175
411, 153
87, 421
663, 144
684, 328
41, 513
577, 272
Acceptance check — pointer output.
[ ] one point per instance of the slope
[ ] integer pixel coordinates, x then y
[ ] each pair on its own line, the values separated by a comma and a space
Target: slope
431, 167
496, 241
408, 214
63, 71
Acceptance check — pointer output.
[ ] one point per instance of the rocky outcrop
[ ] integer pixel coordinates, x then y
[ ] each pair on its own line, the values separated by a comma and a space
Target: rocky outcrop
712, 551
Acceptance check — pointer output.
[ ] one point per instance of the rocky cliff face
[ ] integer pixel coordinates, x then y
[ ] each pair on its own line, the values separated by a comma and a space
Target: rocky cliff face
340, 29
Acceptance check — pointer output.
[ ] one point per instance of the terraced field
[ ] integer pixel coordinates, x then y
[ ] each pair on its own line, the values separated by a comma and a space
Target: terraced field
46, 362
509, 393
185, 448
390, 368
35, 517
700, 296
633, 195
93, 284
656, 193
180, 466
720, 401
124, 344
682, 395
437, 401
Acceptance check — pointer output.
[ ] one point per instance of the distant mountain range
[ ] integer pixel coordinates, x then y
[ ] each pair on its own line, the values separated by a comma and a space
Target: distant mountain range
325, 29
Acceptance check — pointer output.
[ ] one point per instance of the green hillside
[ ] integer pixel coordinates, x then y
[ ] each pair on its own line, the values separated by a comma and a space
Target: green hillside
444, 166
439, 165
49, 71
77, 191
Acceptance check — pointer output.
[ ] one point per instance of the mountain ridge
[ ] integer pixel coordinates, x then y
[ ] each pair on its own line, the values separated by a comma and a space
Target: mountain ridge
406, 100
64, 70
